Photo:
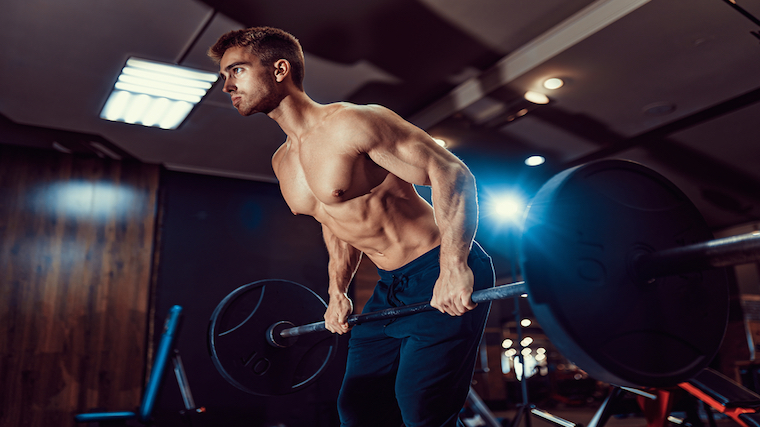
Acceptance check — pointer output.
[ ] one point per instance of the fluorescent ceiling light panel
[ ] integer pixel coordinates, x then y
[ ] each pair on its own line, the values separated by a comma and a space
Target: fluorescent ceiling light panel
155, 94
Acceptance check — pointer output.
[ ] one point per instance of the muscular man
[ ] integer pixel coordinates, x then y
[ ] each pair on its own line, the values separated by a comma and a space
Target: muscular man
352, 168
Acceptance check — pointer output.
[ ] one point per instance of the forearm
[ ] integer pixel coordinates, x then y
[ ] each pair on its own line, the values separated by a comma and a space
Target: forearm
456, 212
344, 260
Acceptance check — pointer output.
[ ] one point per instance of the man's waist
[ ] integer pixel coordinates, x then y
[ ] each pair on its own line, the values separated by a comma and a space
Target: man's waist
398, 255
419, 264
427, 260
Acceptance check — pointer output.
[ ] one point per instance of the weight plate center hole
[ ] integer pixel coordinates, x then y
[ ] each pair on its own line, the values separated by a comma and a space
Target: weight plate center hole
275, 339
633, 263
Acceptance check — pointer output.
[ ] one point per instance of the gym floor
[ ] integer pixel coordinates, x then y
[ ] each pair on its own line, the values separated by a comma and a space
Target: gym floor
583, 416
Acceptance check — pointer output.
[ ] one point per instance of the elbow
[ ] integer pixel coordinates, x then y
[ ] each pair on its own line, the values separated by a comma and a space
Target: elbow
454, 180
462, 178
452, 177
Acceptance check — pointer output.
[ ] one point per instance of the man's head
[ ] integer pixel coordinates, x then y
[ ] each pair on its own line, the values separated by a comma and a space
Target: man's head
268, 44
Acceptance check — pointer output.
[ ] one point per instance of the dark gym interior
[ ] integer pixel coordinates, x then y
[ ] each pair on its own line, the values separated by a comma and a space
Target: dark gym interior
105, 225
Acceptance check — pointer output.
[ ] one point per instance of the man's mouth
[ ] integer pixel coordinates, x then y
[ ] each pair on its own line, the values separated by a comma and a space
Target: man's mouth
235, 101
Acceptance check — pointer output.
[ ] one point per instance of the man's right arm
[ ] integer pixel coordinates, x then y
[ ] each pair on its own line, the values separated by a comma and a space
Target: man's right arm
344, 260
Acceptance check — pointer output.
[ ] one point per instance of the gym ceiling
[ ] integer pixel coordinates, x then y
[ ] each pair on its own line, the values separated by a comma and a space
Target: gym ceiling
673, 84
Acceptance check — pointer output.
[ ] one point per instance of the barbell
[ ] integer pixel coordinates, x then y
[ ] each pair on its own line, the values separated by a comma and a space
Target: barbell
620, 269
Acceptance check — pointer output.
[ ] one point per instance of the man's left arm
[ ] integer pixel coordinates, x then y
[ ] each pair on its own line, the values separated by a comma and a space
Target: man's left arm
411, 154
456, 212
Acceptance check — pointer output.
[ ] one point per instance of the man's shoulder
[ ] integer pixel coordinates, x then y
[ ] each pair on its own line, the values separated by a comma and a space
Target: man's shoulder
277, 156
348, 115
350, 110
362, 127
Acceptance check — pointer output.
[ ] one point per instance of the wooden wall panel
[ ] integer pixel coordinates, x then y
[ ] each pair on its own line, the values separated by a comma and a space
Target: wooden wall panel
76, 241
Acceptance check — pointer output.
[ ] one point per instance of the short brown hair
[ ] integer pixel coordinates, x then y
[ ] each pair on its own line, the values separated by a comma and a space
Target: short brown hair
269, 44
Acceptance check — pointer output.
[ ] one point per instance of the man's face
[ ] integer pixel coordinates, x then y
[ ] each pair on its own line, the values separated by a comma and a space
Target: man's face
251, 86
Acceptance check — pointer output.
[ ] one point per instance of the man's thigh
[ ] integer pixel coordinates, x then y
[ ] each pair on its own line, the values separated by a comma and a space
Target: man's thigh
367, 397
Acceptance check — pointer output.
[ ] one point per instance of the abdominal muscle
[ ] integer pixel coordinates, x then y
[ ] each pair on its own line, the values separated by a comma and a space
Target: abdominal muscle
391, 226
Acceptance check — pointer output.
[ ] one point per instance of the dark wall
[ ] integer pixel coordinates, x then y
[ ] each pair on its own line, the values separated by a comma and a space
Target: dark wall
217, 234
76, 240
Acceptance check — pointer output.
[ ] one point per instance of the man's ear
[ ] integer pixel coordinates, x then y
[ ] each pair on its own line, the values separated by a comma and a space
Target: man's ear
281, 69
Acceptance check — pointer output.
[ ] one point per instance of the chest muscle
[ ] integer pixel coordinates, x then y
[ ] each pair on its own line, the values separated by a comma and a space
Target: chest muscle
330, 179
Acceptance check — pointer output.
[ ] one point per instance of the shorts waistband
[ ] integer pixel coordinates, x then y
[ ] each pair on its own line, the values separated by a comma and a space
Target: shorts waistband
424, 262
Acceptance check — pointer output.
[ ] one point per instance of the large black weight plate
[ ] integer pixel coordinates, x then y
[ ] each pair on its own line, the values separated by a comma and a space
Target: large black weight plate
238, 344
582, 231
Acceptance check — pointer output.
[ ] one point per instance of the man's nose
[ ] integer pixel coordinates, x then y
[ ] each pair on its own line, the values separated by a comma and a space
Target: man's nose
228, 87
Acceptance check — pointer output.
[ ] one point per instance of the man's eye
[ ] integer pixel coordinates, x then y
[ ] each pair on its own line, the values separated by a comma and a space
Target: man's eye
237, 70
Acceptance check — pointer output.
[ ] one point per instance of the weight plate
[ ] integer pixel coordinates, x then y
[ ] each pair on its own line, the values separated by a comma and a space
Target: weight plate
582, 232
238, 344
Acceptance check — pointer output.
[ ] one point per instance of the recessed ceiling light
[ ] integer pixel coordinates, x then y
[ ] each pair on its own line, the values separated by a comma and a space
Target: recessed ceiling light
536, 98
155, 94
535, 160
553, 83
441, 142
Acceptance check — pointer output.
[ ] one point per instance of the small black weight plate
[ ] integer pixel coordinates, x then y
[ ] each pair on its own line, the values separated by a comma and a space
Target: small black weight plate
582, 231
239, 347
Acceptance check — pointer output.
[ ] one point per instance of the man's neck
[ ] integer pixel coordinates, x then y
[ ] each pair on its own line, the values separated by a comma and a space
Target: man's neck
296, 114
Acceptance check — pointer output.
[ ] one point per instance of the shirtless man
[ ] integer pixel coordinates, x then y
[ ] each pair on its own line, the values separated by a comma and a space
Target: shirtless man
352, 168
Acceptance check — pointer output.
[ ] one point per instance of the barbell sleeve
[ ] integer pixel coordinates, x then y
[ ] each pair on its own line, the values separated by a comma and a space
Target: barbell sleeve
495, 293
734, 250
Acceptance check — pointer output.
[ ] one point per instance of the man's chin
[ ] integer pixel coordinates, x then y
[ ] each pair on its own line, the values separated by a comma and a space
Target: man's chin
245, 112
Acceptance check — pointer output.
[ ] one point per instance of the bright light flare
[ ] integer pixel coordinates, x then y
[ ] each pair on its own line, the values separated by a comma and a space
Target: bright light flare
507, 207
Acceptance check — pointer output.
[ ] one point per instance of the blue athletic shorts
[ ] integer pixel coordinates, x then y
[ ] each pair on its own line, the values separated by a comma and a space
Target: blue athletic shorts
417, 369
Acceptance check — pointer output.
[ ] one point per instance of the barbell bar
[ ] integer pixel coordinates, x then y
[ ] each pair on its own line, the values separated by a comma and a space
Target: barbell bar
733, 250
484, 295
697, 257
621, 271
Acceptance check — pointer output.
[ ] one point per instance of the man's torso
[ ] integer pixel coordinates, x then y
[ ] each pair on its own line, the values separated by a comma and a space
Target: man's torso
360, 202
